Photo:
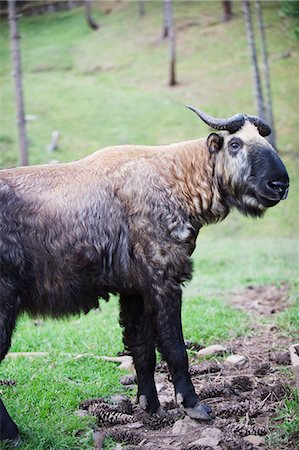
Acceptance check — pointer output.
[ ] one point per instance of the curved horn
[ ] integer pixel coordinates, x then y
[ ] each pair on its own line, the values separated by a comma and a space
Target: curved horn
261, 125
232, 124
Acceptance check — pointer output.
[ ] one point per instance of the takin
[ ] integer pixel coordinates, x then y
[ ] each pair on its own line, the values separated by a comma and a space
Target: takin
124, 220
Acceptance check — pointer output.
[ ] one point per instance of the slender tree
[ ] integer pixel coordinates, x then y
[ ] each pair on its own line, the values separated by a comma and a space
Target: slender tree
254, 62
141, 8
172, 43
17, 73
227, 10
165, 21
269, 107
91, 22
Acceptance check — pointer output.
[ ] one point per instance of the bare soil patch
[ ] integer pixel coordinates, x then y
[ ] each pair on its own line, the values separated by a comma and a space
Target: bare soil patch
261, 300
244, 397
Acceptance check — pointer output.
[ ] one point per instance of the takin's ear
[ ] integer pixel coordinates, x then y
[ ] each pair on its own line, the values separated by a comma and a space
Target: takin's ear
214, 142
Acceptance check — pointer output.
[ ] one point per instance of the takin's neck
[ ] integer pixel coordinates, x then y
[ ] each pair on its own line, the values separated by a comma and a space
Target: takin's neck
193, 168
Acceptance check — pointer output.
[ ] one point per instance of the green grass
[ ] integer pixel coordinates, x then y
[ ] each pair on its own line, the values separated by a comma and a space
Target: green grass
289, 320
110, 87
288, 429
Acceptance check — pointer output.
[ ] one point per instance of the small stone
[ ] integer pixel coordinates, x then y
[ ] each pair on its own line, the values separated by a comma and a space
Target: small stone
206, 441
126, 362
117, 398
98, 440
212, 432
281, 358
183, 426
254, 440
134, 425
236, 360
160, 387
81, 413
118, 447
215, 349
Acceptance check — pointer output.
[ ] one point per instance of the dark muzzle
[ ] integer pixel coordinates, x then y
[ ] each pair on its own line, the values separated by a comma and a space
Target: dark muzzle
271, 177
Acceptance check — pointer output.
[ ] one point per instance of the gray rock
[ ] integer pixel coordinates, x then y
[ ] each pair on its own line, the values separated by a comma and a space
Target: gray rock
235, 360
134, 425
215, 349
183, 426
206, 441
118, 447
212, 432
254, 440
81, 413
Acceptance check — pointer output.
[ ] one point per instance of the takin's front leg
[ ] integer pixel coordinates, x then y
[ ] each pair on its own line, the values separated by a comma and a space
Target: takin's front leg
138, 339
168, 330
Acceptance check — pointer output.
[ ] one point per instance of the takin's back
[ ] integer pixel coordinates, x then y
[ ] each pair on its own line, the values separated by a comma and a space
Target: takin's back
70, 231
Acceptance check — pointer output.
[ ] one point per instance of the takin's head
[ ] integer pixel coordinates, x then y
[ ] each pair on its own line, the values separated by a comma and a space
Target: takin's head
249, 171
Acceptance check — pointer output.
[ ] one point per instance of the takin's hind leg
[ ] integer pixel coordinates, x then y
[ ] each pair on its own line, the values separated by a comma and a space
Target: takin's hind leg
138, 339
9, 308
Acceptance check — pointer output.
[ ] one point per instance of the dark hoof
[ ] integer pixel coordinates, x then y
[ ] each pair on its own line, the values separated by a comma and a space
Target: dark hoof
15, 442
12, 442
200, 412
150, 407
207, 408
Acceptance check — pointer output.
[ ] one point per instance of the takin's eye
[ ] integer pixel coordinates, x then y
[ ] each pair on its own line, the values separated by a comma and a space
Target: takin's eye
234, 146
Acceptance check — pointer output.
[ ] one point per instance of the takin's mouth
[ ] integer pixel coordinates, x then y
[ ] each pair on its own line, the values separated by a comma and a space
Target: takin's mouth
267, 201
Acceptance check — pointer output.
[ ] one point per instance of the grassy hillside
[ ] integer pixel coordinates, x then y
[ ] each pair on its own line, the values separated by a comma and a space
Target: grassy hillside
110, 87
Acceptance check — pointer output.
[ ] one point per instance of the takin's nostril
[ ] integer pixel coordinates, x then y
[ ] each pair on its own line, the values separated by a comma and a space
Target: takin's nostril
278, 186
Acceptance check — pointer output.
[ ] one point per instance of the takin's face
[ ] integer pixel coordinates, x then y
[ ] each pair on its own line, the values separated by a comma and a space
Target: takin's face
249, 170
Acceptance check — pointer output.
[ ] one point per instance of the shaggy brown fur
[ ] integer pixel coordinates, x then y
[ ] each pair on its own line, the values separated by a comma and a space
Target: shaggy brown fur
125, 220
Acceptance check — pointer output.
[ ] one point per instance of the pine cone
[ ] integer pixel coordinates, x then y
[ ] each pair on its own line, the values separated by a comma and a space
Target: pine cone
243, 430
162, 367
170, 405
92, 401
211, 391
277, 392
107, 415
281, 358
238, 409
262, 369
127, 436
233, 409
241, 384
8, 382
205, 367
155, 421
125, 406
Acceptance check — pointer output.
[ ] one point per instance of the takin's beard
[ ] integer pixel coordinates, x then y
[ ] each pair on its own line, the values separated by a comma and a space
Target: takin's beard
248, 205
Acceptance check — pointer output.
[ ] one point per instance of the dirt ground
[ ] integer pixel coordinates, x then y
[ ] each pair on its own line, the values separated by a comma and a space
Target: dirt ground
243, 393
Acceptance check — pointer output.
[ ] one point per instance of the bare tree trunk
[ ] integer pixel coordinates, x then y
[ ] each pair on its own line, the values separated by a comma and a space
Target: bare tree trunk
254, 62
172, 46
227, 10
165, 21
141, 8
269, 107
17, 72
91, 22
